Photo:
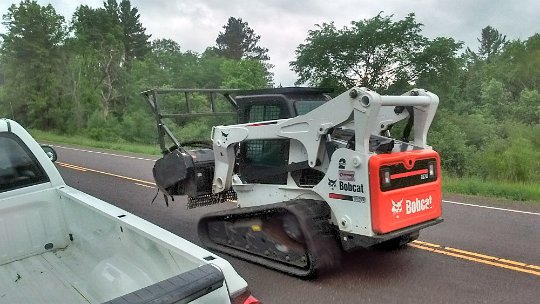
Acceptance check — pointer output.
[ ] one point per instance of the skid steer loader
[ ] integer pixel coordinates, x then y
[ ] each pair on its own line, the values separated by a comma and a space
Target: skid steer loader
310, 175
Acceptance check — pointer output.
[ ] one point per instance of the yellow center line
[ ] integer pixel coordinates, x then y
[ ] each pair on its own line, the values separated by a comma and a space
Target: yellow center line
106, 173
72, 167
427, 244
483, 256
476, 257
488, 257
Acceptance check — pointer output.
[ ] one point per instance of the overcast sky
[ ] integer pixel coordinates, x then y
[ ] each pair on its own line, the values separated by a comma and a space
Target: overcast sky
283, 24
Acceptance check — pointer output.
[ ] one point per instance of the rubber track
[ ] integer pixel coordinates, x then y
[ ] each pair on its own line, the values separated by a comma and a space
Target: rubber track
324, 253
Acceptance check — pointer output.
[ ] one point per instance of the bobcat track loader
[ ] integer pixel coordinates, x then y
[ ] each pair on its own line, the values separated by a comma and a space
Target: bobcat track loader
310, 175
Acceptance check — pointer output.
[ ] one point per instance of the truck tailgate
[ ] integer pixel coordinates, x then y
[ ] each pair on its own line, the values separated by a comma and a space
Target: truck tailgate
183, 288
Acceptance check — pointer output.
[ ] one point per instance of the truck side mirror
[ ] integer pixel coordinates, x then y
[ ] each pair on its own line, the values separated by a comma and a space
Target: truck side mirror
51, 153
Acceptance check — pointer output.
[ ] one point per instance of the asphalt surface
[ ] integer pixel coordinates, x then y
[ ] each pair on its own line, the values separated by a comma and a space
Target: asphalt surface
478, 255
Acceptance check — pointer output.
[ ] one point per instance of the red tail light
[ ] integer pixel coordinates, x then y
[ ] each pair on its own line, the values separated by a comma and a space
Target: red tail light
245, 298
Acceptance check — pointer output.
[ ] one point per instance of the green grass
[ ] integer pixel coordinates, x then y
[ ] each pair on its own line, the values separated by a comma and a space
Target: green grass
80, 140
502, 189
462, 185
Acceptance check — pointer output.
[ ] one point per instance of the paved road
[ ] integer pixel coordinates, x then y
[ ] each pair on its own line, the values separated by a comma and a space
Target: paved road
478, 255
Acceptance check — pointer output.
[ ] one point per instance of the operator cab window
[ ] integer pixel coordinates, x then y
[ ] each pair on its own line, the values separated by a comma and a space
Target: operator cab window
18, 166
264, 113
264, 151
260, 155
305, 106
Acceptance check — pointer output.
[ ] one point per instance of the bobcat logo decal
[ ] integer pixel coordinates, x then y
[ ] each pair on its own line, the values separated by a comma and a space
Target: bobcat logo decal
332, 183
397, 208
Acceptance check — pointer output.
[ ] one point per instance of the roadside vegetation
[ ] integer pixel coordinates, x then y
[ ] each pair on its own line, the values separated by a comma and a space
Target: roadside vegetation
83, 141
502, 189
81, 81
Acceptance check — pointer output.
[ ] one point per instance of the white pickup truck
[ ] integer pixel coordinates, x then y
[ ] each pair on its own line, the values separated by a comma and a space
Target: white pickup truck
60, 245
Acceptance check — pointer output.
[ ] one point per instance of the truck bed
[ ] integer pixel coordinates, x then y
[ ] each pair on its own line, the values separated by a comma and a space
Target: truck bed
45, 277
68, 247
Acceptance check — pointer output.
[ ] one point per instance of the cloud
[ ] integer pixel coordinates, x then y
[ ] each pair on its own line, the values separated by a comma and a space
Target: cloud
283, 24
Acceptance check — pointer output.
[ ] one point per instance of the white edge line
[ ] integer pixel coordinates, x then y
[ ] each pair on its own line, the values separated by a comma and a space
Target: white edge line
493, 208
144, 185
104, 153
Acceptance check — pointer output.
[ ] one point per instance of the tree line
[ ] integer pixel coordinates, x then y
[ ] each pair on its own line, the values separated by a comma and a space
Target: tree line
84, 77
488, 120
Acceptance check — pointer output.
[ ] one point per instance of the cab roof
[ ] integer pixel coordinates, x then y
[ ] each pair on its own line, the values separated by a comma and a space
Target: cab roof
284, 91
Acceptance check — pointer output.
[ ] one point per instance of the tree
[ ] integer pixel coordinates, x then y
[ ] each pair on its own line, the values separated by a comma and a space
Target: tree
165, 51
440, 70
95, 28
520, 66
528, 108
239, 41
111, 7
133, 34
491, 43
97, 43
449, 140
374, 52
32, 57
135, 39
244, 74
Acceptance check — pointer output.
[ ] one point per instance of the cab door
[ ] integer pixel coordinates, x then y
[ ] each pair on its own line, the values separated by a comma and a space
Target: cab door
260, 156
